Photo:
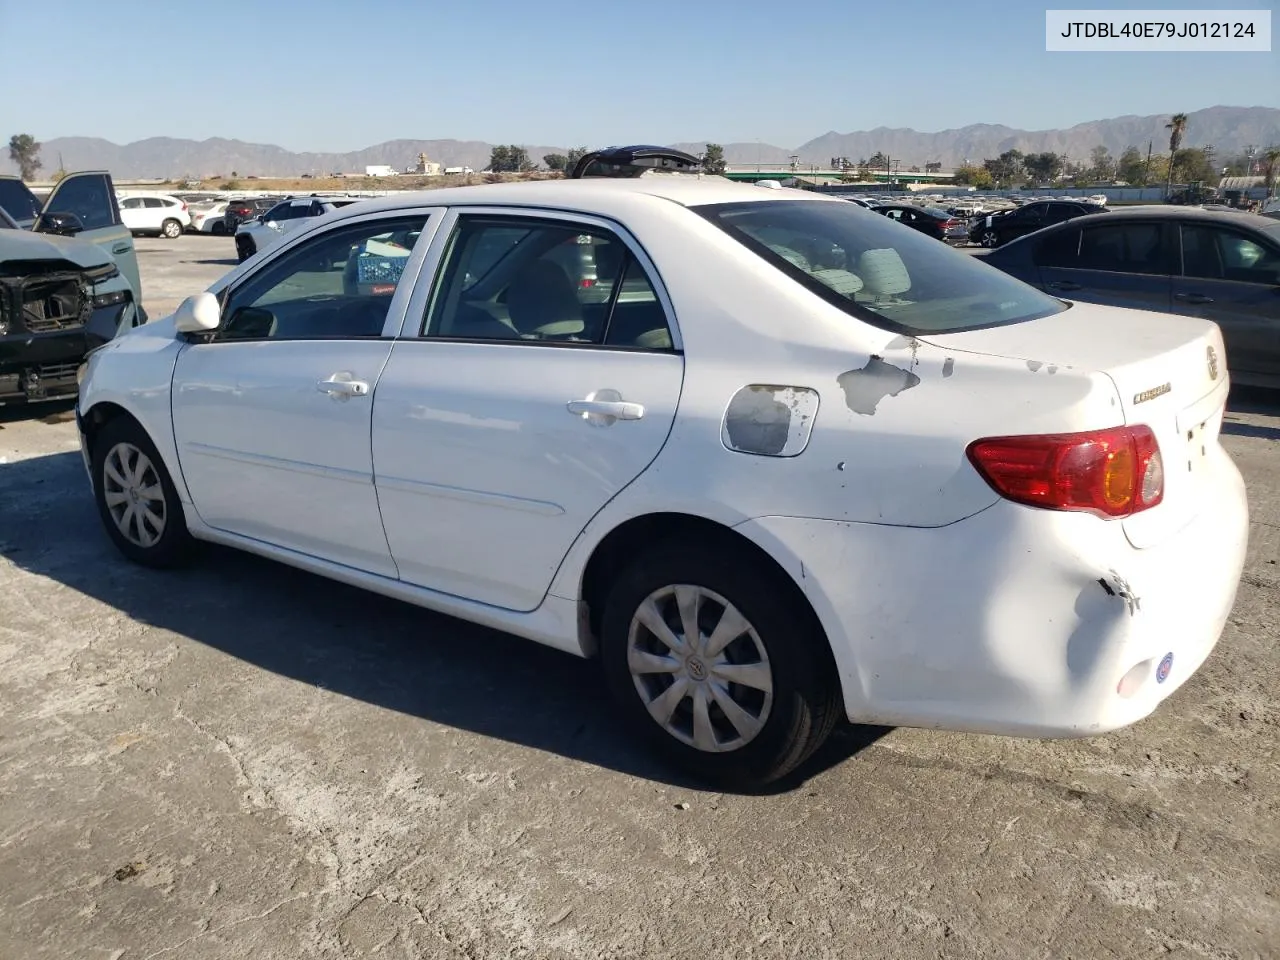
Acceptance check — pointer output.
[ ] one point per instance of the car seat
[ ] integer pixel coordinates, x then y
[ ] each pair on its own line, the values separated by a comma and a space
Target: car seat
542, 302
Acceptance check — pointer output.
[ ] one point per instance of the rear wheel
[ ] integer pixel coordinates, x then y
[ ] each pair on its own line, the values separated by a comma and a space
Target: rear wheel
989, 239
245, 247
136, 498
219, 229
171, 229
717, 665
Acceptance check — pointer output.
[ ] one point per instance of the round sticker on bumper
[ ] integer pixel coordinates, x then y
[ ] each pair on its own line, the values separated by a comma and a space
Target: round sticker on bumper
1162, 671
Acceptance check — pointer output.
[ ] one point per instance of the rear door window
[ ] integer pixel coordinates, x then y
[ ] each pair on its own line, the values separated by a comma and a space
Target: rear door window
1124, 248
897, 280
1060, 249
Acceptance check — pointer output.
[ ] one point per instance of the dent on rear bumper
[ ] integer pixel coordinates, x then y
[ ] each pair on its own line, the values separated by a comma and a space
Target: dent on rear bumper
1015, 621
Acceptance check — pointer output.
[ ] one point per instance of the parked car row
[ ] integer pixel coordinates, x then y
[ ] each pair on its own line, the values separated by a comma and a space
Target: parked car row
1188, 261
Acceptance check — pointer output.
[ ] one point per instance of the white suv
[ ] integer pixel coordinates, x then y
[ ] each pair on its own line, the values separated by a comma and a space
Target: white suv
285, 217
158, 213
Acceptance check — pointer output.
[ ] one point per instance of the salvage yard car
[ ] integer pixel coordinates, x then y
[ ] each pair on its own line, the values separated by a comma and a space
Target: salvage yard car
61, 295
801, 463
1200, 262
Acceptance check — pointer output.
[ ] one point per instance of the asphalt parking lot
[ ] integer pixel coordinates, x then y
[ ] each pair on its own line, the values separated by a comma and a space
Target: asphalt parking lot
242, 760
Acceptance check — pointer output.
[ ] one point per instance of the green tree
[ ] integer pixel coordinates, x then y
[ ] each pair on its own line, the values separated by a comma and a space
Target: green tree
500, 160
1101, 166
878, 162
576, 154
1042, 167
24, 150
1005, 168
713, 159
1131, 167
978, 177
556, 161
1177, 127
1193, 163
1271, 166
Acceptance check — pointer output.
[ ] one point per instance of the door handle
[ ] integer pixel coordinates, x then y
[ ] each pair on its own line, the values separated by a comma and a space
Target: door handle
121, 248
1063, 285
1193, 297
342, 387
605, 412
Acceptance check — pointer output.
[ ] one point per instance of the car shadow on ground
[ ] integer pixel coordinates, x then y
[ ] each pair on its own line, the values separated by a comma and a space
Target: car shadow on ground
223, 262
339, 638
48, 411
1255, 401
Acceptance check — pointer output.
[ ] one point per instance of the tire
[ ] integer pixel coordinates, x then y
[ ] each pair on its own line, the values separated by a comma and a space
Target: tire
990, 240
219, 229
170, 229
778, 729
116, 452
245, 247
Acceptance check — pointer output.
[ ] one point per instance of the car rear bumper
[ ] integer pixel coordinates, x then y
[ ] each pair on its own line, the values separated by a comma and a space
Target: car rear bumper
1017, 621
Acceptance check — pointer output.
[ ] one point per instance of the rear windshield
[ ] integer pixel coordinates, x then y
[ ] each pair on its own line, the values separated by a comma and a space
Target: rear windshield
888, 275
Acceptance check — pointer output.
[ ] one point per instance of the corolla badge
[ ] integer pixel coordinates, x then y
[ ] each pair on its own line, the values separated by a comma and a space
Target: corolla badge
1211, 356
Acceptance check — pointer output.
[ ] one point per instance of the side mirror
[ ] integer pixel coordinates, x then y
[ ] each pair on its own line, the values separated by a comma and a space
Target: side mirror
60, 224
198, 314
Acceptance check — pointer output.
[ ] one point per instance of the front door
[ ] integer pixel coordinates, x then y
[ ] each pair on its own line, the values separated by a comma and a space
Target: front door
1233, 279
538, 380
272, 412
91, 198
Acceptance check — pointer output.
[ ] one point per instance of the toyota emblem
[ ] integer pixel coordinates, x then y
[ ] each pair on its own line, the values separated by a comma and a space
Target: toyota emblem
1211, 356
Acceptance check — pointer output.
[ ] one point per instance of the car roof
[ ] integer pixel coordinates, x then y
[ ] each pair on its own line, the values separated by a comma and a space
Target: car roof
591, 195
1174, 212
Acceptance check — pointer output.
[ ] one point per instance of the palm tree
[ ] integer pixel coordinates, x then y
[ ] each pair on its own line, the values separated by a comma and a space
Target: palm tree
1270, 167
1177, 126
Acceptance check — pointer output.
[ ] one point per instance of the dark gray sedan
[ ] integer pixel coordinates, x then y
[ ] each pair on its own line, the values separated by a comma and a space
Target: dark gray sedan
1224, 267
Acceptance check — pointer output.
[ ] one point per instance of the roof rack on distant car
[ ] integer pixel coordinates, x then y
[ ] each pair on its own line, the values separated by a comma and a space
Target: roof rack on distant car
634, 161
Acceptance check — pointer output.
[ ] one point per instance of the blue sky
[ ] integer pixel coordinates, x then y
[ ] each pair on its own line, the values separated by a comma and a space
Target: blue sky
336, 76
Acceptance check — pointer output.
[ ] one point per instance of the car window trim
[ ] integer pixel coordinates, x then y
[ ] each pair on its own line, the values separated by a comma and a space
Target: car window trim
434, 261
232, 283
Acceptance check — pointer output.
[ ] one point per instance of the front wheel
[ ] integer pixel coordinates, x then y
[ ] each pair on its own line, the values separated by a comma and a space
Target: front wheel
719, 666
136, 498
171, 229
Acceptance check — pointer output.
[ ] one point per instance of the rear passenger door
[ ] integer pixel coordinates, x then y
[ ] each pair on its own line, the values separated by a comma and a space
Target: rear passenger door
91, 198
537, 375
1125, 264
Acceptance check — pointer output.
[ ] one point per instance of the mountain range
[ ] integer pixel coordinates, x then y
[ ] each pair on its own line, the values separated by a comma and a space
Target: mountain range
1228, 129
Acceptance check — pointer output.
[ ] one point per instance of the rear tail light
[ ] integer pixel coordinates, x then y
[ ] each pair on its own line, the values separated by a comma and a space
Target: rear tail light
1110, 473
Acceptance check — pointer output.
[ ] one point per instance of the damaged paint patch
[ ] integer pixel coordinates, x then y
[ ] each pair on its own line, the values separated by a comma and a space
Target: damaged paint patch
1034, 365
1118, 586
948, 366
865, 387
769, 420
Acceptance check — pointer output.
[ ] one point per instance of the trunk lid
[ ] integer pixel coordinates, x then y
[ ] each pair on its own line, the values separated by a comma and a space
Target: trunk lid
1169, 373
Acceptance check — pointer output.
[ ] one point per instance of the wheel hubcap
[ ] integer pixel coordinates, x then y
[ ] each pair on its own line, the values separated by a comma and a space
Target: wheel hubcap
133, 494
700, 668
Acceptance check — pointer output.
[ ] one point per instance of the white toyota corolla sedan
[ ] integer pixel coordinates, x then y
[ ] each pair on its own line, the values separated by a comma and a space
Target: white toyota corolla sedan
771, 457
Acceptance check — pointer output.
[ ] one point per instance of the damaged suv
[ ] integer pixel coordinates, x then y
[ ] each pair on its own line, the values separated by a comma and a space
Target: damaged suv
68, 284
